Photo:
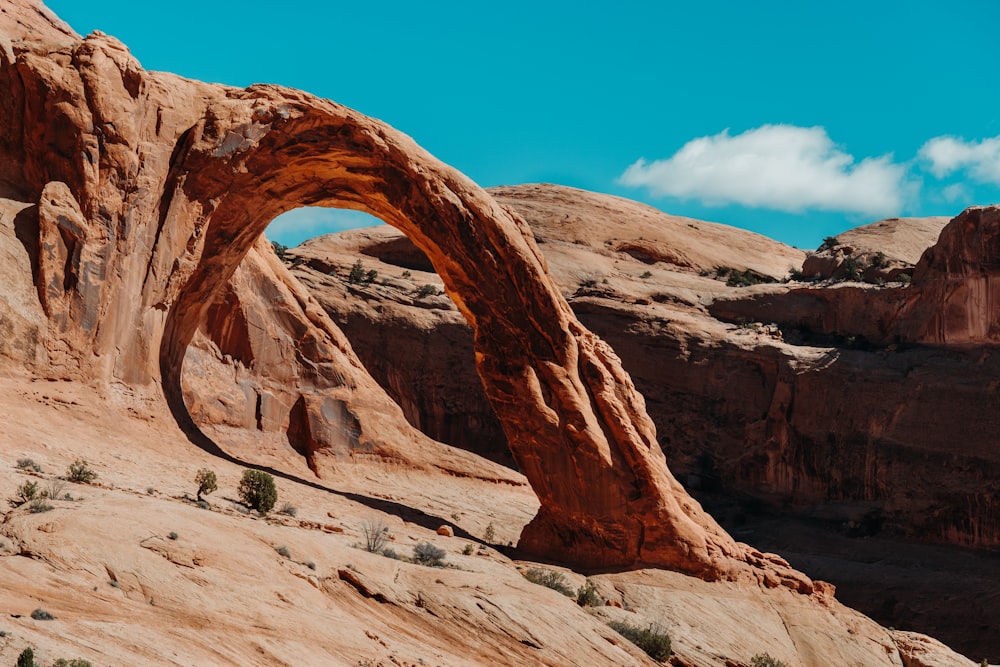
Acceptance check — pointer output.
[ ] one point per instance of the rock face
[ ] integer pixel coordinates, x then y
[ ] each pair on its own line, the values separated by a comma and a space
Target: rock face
150, 192
830, 400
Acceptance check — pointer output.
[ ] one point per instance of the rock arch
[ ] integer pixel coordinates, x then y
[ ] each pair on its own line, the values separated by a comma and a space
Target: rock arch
164, 184
577, 427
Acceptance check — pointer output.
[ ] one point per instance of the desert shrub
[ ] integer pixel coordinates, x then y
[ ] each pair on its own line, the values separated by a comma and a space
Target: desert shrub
173, 535
79, 473
586, 595
257, 490
646, 274
490, 533
39, 505
427, 290
25, 493
28, 464
904, 278
75, 662
880, 261
42, 615
829, 243
279, 249
358, 274
652, 640
311, 565
27, 658
742, 278
554, 580
207, 482
376, 534
390, 553
468, 549
57, 490
288, 509
426, 553
765, 660
283, 551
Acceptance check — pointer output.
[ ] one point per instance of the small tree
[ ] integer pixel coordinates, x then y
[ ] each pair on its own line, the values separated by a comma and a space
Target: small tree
79, 473
279, 250
206, 481
26, 492
257, 490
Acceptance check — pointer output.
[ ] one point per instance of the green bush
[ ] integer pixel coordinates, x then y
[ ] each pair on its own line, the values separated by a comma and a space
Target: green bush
257, 490
75, 662
427, 290
206, 481
28, 464
426, 553
829, 243
765, 660
39, 505
27, 658
79, 473
586, 596
554, 580
25, 493
279, 250
652, 640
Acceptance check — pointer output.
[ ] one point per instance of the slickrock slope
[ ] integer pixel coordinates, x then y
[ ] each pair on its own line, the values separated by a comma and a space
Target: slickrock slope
136, 200
806, 416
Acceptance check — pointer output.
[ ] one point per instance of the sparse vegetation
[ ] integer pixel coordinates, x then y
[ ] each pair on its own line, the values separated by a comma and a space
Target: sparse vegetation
25, 493
75, 662
468, 549
172, 535
653, 640
207, 482
27, 658
39, 505
80, 473
880, 261
904, 278
288, 509
359, 276
551, 579
407, 275
56, 490
829, 243
586, 595
279, 249
765, 660
427, 290
646, 274
490, 534
42, 615
742, 278
376, 535
427, 554
257, 490
28, 464
283, 551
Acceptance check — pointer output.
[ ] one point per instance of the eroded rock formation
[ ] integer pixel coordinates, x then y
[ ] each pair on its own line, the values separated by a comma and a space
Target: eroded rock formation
150, 192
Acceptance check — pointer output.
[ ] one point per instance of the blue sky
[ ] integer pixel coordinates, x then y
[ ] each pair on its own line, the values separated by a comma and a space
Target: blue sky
796, 120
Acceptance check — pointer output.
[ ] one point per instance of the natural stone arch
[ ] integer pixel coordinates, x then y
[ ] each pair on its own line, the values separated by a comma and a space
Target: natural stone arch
576, 426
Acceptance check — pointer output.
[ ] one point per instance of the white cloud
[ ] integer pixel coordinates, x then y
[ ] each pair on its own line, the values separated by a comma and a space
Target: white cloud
950, 154
782, 167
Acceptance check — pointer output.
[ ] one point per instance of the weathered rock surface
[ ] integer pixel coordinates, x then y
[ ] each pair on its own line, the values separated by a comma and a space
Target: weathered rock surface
139, 199
151, 190
806, 416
